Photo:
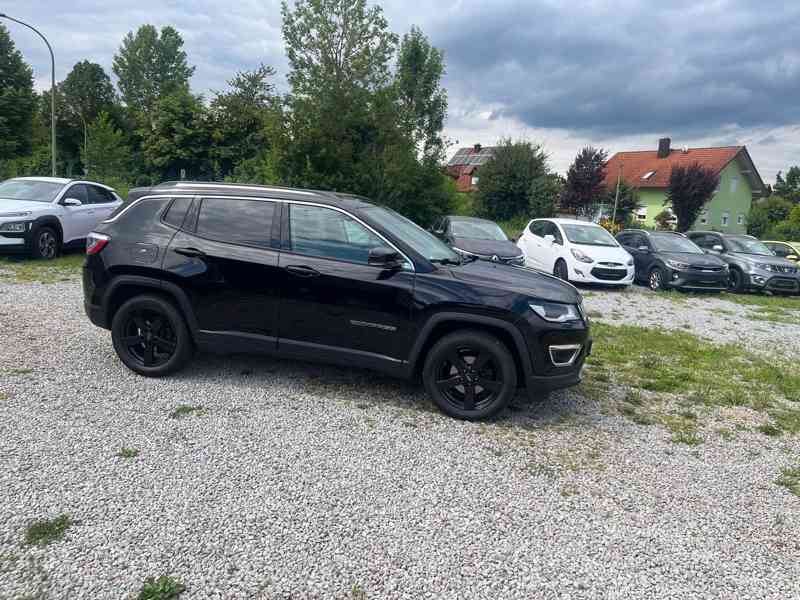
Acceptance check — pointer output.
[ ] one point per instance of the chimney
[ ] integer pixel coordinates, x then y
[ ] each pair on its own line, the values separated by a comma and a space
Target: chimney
663, 147
477, 148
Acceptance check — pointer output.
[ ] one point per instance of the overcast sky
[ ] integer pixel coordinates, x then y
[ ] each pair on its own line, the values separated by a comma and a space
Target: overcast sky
618, 75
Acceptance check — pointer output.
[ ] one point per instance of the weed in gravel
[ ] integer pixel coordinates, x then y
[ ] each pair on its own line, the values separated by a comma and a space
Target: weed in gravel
594, 314
3, 396
185, 410
569, 490
128, 453
769, 429
726, 434
163, 588
787, 419
45, 531
690, 438
790, 479
357, 592
20, 371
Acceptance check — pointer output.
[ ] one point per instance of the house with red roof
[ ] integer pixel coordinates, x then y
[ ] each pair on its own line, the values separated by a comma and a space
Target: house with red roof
465, 165
649, 170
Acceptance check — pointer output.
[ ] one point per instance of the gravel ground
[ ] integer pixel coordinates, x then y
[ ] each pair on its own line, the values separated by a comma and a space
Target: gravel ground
300, 481
707, 316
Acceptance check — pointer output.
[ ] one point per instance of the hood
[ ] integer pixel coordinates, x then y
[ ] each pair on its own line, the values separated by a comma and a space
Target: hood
8, 205
762, 258
488, 248
517, 279
696, 260
614, 254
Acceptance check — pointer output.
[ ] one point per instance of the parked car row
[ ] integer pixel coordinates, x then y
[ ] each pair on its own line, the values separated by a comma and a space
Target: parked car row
585, 253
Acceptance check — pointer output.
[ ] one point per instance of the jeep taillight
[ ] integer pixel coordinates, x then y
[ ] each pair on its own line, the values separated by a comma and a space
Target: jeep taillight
95, 242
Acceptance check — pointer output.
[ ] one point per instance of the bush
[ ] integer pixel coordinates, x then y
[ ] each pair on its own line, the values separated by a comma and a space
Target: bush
767, 214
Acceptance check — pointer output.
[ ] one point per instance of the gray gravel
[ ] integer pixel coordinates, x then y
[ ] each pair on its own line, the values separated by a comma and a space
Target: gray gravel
709, 316
300, 481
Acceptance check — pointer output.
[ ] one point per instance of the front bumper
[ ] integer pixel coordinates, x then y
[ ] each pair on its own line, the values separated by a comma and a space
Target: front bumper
773, 282
696, 280
594, 273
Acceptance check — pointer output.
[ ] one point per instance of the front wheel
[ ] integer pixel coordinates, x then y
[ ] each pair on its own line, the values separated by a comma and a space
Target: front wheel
470, 375
656, 279
44, 243
735, 281
150, 336
560, 270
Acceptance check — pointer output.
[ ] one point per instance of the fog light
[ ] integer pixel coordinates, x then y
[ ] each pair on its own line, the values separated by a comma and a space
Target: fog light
578, 272
758, 280
564, 355
675, 276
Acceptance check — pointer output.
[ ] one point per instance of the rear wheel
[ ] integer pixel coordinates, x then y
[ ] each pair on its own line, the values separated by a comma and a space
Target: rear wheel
470, 375
44, 243
656, 279
560, 270
150, 336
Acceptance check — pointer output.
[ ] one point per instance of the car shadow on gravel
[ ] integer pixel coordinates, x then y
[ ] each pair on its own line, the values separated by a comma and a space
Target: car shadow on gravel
364, 389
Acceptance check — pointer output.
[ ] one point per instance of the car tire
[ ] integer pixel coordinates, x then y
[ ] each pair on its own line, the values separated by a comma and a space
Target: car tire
735, 281
655, 279
470, 375
44, 243
150, 336
560, 270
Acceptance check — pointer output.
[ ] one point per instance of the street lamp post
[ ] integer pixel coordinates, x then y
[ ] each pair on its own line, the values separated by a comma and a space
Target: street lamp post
52, 89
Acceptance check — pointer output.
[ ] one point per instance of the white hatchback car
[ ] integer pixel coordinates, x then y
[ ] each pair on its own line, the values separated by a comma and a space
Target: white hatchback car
41, 215
576, 251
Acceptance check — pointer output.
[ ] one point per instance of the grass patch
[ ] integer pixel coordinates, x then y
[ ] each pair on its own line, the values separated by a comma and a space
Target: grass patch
27, 270
128, 453
772, 314
568, 491
41, 533
775, 302
790, 479
3, 396
185, 410
162, 588
769, 429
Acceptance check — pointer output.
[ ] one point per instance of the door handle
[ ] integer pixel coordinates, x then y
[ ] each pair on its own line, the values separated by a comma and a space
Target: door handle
190, 252
302, 271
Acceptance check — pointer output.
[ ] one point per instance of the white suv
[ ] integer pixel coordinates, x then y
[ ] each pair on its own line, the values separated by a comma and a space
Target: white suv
41, 215
576, 251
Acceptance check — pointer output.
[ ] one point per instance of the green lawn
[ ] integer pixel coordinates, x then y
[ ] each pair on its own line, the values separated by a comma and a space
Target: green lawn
27, 270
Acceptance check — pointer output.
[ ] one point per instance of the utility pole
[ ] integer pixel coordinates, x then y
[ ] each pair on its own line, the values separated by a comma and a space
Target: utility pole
52, 89
616, 197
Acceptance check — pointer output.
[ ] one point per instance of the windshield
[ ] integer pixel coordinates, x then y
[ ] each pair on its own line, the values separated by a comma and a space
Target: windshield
589, 235
674, 243
478, 230
748, 246
412, 234
28, 189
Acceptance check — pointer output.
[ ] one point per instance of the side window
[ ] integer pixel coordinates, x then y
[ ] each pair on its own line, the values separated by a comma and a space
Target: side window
246, 222
780, 250
78, 192
96, 195
328, 233
176, 213
556, 233
537, 228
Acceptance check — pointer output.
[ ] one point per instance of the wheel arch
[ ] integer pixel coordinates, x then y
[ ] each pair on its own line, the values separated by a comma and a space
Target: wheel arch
441, 324
51, 221
125, 287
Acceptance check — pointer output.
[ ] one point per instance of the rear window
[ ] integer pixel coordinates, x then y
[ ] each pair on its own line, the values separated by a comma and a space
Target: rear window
246, 222
176, 213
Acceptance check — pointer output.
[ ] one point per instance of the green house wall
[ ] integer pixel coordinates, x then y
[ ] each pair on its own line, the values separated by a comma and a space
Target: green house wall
733, 202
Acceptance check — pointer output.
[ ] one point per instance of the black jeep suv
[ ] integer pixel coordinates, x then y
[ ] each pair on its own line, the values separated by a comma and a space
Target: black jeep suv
329, 277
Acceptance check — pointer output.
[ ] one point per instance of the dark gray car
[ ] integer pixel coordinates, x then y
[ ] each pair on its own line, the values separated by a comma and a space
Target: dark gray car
752, 265
478, 238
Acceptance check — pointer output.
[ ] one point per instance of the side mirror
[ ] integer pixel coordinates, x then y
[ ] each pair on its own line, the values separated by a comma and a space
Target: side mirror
717, 248
549, 238
386, 258
71, 202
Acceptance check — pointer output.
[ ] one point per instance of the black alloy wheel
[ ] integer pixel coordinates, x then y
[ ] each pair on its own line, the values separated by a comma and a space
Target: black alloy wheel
561, 271
150, 336
470, 375
735, 281
656, 279
45, 244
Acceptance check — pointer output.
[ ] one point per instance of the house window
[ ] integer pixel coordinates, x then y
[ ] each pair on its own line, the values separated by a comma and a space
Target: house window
641, 214
704, 217
740, 219
734, 184
725, 218
475, 180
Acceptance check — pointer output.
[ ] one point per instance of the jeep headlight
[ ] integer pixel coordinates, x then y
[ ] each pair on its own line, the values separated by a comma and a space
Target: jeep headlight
14, 227
676, 264
581, 256
762, 266
556, 312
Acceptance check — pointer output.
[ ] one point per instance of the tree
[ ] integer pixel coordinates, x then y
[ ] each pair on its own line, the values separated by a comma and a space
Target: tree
335, 45
243, 120
506, 179
789, 188
150, 66
665, 220
543, 196
627, 202
788, 229
767, 213
585, 181
423, 103
689, 190
86, 92
17, 100
106, 156
178, 138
